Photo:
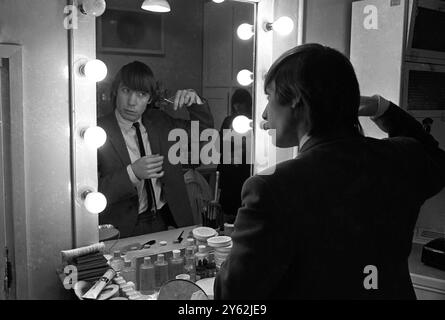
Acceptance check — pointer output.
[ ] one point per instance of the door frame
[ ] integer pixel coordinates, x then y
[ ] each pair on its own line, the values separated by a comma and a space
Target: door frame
17, 238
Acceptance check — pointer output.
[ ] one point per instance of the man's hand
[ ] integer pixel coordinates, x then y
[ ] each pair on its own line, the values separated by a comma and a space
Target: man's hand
368, 106
148, 167
186, 98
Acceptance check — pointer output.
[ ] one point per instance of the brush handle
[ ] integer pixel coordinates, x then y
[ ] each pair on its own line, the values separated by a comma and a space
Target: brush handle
216, 186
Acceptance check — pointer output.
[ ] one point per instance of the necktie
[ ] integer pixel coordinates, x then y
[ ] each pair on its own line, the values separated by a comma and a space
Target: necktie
148, 186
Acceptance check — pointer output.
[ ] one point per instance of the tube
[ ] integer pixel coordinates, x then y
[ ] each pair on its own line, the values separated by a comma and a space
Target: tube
95, 290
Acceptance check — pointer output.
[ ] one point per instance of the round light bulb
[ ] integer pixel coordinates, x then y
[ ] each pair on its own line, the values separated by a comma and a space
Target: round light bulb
218, 1
95, 202
94, 8
245, 31
241, 124
245, 77
95, 70
95, 137
283, 26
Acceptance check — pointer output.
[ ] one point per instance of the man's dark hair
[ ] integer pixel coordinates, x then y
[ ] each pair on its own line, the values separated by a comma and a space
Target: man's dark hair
243, 97
325, 82
136, 76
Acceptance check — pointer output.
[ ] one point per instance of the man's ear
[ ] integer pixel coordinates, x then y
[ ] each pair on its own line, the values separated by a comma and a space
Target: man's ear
297, 103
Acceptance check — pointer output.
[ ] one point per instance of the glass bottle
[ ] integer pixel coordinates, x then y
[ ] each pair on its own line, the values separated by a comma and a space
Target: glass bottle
190, 242
211, 266
117, 263
147, 277
201, 262
190, 263
161, 271
176, 265
128, 272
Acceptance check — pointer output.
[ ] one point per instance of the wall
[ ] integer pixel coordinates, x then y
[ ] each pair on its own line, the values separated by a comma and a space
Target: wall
329, 22
181, 66
46, 122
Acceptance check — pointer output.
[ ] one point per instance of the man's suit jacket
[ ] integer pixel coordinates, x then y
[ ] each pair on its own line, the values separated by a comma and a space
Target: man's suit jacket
113, 159
310, 228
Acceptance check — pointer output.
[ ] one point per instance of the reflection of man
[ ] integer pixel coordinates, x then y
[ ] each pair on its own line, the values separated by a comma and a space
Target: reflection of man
145, 192
346, 205
234, 174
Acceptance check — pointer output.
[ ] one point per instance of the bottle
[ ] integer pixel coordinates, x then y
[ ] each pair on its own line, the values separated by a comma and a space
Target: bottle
176, 265
201, 262
161, 271
190, 264
211, 266
190, 242
117, 263
147, 277
128, 272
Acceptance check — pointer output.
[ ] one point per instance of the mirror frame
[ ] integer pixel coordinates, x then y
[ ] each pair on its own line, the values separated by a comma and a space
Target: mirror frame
82, 44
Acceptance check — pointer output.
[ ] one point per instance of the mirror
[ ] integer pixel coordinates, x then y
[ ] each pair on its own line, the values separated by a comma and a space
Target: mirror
181, 290
195, 46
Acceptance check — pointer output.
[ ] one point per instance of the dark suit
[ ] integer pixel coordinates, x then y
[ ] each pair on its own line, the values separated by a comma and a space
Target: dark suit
113, 159
308, 230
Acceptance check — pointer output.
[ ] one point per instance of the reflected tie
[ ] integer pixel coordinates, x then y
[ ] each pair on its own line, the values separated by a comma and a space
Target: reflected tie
148, 186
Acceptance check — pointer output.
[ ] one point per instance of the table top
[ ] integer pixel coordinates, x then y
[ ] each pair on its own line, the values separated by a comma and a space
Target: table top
168, 236
417, 268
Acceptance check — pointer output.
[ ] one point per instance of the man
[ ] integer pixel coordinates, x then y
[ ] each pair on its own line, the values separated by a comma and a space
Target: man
345, 206
145, 192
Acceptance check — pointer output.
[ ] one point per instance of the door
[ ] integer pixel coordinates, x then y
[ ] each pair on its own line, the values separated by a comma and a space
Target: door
225, 54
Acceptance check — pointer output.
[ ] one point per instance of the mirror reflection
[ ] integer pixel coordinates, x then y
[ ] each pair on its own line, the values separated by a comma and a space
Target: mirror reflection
165, 72
181, 290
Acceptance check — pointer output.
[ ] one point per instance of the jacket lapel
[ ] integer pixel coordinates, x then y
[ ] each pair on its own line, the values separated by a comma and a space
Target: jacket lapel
117, 140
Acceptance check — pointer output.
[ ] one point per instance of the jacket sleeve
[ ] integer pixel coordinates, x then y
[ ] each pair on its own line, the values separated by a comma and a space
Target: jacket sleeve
246, 274
197, 112
200, 113
116, 186
421, 149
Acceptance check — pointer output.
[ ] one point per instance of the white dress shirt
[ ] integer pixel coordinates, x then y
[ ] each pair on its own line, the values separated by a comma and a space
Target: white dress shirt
129, 133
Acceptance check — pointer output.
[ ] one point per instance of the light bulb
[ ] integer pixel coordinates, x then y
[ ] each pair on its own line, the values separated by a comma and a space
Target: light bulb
95, 137
218, 1
156, 6
94, 8
95, 202
245, 31
241, 124
283, 26
94, 70
245, 77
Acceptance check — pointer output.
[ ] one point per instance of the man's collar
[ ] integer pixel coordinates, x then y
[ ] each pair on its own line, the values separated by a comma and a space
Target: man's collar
303, 140
123, 123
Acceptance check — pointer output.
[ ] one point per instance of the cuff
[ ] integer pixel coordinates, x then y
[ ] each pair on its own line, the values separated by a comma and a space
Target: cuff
383, 105
131, 175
